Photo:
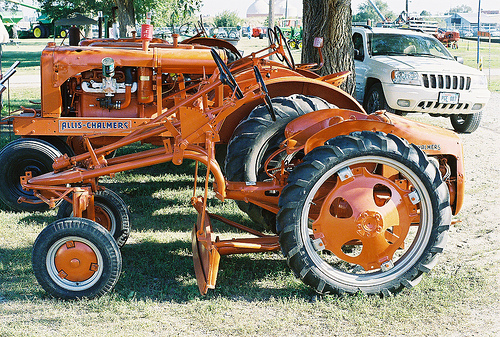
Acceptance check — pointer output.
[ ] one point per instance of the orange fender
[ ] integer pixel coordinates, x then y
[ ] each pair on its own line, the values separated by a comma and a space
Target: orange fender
314, 129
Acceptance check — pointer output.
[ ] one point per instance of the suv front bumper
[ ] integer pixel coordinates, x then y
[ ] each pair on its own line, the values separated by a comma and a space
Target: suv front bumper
421, 99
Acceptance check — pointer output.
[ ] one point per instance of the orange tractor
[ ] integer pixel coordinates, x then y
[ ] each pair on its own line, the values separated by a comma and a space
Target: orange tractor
356, 202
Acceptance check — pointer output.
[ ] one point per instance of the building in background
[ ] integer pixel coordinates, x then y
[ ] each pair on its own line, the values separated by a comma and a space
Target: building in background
466, 23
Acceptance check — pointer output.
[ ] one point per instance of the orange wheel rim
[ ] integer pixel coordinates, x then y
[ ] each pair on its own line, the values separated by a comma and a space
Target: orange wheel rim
76, 261
102, 217
366, 209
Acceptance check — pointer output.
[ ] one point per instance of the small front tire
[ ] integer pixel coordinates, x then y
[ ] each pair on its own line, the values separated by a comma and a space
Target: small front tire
76, 258
38, 32
111, 212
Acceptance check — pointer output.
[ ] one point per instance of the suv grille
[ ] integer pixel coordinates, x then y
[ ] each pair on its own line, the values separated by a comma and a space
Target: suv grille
446, 81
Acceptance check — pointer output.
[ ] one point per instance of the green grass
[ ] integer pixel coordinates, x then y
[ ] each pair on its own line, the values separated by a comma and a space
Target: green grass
468, 50
489, 53
15, 98
256, 294
27, 51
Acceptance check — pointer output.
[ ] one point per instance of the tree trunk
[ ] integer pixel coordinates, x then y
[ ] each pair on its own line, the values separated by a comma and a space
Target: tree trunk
330, 19
126, 17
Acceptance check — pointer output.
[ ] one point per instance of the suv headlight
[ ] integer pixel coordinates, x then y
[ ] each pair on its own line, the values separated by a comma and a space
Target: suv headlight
480, 81
405, 77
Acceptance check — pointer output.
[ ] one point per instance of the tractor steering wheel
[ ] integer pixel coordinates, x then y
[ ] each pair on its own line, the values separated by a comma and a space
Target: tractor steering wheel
267, 99
277, 37
225, 75
271, 36
184, 28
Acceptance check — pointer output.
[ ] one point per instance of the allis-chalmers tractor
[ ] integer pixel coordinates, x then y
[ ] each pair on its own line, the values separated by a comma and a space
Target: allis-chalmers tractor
355, 202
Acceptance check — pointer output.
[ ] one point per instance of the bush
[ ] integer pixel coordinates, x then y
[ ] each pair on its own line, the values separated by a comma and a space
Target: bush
227, 19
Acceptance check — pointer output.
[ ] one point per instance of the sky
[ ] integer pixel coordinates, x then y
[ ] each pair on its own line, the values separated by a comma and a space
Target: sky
213, 7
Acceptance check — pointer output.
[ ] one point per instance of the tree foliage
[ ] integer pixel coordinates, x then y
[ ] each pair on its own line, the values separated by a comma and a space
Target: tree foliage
367, 12
227, 19
461, 9
169, 12
58, 9
165, 12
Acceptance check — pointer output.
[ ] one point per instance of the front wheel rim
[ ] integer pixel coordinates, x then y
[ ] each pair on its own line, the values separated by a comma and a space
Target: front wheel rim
74, 263
343, 270
460, 119
104, 216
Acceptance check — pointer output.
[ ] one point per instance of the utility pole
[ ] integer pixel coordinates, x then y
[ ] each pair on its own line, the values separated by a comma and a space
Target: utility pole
271, 20
478, 29
271, 14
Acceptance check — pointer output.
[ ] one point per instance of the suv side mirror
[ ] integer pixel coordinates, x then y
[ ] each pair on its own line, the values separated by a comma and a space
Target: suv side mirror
459, 59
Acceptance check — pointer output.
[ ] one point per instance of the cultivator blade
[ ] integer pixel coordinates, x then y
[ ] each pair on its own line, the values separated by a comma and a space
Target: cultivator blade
205, 255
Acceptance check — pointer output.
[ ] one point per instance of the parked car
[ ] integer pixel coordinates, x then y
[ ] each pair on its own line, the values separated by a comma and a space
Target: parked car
403, 71
259, 32
467, 33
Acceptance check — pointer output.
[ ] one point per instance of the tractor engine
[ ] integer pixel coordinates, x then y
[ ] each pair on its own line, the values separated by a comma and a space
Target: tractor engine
118, 82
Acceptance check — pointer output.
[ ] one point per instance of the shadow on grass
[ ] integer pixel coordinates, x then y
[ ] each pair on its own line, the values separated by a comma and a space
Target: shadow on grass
16, 275
164, 272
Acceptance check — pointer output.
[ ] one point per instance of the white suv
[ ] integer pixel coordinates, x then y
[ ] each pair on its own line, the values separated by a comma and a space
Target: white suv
404, 71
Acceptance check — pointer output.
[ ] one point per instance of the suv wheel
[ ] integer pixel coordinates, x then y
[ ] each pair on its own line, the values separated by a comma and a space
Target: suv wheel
375, 100
466, 123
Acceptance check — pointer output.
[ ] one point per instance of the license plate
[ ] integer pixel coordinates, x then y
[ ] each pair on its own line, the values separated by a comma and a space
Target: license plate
448, 97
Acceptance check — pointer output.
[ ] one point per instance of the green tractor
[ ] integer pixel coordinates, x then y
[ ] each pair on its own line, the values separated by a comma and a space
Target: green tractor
43, 27
10, 18
292, 30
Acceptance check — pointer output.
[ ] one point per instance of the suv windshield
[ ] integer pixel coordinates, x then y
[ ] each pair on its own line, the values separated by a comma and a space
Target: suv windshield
410, 45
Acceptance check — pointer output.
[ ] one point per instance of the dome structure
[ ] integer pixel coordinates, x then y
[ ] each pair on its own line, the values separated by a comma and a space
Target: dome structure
258, 8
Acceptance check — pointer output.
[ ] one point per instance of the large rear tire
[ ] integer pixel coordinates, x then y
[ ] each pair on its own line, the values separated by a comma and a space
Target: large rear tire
111, 212
59, 143
364, 213
17, 157
75, 258
256, 138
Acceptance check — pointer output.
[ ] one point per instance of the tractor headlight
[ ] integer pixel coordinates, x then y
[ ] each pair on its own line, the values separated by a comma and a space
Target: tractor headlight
405, 77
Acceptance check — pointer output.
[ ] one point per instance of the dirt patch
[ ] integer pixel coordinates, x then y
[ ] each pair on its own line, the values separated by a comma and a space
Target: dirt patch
475, 239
